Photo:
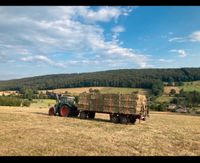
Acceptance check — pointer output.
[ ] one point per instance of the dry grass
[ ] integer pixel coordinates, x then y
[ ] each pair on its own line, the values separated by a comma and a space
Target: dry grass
73, 90
6, 93
167, 89
77, 91
30, 131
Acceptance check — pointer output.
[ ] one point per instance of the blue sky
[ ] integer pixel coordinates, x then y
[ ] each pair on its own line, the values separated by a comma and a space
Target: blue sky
63, 39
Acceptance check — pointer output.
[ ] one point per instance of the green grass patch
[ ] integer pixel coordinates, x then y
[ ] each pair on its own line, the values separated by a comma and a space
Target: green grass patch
191, 86
43, 102
10, 101
162, 99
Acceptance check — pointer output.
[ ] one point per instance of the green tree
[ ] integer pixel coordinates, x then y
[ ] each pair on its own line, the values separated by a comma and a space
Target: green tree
26, 103
172, 92
157, 88
170, 81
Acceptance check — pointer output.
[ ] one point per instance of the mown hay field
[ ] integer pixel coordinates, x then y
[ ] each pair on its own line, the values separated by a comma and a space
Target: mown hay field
6, 93
76, 91
167, 89
29, 131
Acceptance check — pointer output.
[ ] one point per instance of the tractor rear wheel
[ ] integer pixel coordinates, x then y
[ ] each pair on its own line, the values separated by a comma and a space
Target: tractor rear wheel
83, 115
52, 111
64, 111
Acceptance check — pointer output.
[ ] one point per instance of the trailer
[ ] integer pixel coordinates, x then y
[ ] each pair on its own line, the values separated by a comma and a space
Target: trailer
122, 108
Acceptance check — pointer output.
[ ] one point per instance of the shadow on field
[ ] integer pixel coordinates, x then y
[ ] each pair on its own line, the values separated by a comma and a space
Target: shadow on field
99, 119
40, 113
95, 119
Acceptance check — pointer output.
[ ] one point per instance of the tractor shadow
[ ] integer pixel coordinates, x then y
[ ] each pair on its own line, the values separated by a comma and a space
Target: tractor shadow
40, 113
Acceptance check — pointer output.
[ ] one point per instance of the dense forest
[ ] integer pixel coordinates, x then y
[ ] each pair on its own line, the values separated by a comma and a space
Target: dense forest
134, 78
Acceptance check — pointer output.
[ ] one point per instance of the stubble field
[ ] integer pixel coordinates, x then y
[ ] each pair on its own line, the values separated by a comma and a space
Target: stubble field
31, 132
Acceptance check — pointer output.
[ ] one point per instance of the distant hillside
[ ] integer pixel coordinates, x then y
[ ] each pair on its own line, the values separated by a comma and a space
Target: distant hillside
133, 78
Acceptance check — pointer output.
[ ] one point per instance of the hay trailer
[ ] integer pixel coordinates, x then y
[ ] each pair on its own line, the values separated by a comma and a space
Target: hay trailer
122, 108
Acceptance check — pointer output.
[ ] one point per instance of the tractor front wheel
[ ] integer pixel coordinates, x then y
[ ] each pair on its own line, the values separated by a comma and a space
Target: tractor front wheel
52, 111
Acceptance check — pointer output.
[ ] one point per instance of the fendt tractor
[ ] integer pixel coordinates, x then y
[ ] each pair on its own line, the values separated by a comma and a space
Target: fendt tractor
122, 108
65, 107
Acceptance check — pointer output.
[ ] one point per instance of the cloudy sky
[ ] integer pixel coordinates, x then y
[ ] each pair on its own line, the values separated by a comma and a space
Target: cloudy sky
62, 39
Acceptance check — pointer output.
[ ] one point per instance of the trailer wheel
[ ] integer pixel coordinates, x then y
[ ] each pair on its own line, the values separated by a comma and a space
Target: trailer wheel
83, 115
114, 118
52, 111
133, 119
91, 115
123, 119
64, 111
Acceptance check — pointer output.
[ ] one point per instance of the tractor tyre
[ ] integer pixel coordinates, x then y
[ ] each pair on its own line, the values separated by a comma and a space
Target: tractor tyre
64, 111
52, 111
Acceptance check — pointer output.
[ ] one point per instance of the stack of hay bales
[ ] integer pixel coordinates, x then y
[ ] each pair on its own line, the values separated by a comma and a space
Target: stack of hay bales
113, 103
84, 101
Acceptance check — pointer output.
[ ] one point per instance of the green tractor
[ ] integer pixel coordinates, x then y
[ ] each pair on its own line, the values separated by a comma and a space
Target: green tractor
65, 107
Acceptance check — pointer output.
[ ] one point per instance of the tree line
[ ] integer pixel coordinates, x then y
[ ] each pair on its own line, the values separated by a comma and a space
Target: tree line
189, 99
132, 78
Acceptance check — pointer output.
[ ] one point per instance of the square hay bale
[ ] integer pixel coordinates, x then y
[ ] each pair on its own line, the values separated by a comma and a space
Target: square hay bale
122, 103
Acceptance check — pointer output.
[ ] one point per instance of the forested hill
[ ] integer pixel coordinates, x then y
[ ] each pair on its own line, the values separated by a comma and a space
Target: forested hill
136, 78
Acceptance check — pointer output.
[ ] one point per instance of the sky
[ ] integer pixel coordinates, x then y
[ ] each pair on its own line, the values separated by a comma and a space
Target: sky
40, 40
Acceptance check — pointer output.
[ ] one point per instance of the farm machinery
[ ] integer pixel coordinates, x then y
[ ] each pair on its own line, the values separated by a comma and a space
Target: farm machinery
65, 107
122, 108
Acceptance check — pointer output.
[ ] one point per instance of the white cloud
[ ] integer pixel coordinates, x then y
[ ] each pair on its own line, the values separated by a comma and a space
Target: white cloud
103, 14
65, 30
181, 52
118, 29
177, 39
193, 37
165, 60
43, 59
108, 13
37, 58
